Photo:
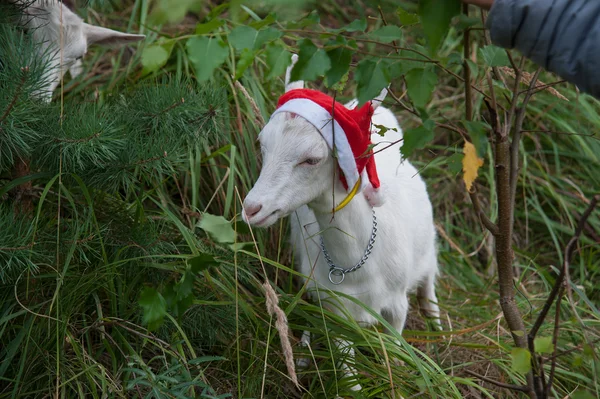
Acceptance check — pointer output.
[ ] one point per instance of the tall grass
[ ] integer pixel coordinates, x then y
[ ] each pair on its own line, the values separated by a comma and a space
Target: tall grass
74, 329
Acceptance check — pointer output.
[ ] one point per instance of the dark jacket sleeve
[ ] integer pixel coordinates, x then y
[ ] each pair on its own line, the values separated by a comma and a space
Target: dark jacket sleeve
563, 36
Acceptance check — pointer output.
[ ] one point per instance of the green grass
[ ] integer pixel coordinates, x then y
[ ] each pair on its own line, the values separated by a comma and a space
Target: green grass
69, 329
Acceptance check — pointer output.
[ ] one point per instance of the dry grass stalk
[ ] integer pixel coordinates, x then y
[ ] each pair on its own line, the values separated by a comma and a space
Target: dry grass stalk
258, 115
281, 324
526, 79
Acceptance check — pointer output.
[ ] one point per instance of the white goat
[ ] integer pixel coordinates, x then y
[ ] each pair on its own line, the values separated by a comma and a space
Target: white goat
64, 38
297, 179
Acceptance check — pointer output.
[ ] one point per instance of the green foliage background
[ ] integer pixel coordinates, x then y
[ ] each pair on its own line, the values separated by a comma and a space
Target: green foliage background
133, 276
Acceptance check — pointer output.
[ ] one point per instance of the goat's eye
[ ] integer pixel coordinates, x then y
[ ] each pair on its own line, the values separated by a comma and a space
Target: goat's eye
310, 161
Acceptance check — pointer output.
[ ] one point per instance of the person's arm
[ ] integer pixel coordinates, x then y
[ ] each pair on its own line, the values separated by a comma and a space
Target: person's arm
561, 35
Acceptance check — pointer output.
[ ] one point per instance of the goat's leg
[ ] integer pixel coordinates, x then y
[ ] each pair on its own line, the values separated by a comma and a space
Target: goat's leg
396, 313
428, 301
304, 362
348, 351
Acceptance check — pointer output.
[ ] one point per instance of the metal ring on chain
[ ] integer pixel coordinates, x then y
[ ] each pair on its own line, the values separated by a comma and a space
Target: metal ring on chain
338, 274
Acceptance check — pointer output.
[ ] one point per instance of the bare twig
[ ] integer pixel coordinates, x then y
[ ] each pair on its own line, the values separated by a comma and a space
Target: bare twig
491, 226
516, 140
566, 263
548, 386
521, 388
557, 290
467, 70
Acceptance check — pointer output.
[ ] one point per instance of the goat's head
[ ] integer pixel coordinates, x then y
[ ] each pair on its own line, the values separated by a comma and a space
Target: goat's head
64, 38
298, 163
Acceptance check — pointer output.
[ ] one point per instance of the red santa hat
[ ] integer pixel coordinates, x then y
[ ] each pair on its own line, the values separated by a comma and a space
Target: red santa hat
350, 129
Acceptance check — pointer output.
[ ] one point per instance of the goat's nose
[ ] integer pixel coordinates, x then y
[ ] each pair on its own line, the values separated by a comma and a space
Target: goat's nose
252, 209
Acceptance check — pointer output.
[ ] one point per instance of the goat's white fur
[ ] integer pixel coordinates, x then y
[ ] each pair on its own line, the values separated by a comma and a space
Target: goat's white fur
404, 257
51, 22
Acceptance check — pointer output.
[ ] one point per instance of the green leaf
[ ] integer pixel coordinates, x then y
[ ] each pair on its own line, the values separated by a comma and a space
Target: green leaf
246, 59
420, 84
312, 62
358, 25
153, 58
218, 228
268, 20
455, 58
371, 77
265, 36
381, 130
201, 262
455, 163
206, 54
407, 18
399, 68
340, 64
387, 34
238, 246
311, 19
169, 11
582, 395
474, 68
417, 138
478, 133
170, 295
154, 307
543, 345
278, 59
435, 18
185, 285
521, 360
210, 26
177, 303
245, 37
494, 56
465, 21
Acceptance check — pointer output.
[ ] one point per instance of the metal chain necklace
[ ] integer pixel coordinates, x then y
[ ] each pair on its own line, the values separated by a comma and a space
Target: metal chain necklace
337, 274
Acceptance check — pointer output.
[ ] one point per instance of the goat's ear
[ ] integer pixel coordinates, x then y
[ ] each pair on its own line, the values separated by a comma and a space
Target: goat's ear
376, 102
108, 37
76, 69
299, 84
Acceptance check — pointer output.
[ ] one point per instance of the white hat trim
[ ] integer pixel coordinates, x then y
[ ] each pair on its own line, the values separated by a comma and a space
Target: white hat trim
320, 118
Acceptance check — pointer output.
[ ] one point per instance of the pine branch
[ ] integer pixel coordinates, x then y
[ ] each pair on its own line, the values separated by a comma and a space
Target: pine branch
17, 94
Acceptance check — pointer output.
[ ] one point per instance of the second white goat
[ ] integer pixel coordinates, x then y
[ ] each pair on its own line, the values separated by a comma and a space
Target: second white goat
64, 39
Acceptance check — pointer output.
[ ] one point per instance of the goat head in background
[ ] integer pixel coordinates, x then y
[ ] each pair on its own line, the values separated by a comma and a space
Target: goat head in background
64, 39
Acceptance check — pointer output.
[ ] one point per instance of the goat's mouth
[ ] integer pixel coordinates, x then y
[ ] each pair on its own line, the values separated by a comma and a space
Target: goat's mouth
267, 220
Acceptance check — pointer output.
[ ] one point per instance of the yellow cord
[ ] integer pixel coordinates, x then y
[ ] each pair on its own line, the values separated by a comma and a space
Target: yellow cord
351, 195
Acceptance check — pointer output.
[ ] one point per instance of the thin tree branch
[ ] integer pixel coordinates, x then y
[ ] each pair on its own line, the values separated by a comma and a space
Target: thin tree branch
548, 387
514, 145
467, 70
515, 91
557, 290
566, 263
491, 226
520, 388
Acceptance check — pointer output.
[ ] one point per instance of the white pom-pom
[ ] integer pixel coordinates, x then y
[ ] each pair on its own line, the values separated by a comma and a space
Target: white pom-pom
375, 196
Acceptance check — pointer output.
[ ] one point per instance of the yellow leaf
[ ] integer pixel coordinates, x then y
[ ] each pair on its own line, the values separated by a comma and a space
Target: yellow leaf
471, 163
